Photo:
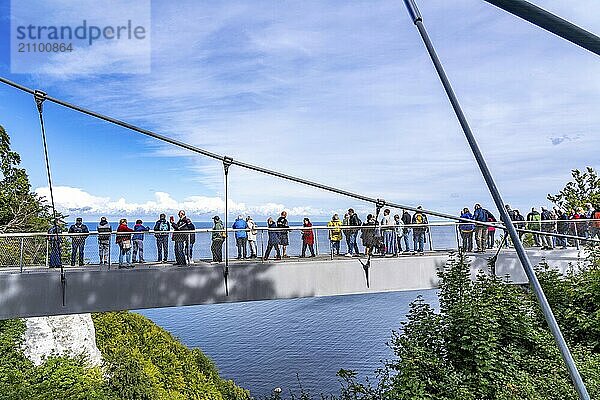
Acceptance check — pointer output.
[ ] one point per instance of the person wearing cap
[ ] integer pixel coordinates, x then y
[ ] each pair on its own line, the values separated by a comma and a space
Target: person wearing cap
335, 234
104, 231
78, 240
218, 237
241, 237
252, 236
161, 234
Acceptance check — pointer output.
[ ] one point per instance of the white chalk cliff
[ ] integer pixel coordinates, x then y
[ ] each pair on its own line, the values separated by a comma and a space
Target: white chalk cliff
70, 335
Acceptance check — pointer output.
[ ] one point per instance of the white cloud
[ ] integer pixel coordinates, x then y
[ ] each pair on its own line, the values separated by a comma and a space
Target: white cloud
346, 95
78, 202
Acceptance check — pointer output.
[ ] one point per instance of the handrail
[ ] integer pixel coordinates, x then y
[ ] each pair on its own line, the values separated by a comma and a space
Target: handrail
498, 225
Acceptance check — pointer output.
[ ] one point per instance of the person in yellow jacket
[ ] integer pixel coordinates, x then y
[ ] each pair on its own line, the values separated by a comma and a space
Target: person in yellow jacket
335, 233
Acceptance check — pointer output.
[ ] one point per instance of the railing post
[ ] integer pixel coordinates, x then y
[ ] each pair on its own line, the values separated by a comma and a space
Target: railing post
109, 247
576, 234
457, 237
227, 161
47, 250
316, 242
262, 247
21, 255
430, 241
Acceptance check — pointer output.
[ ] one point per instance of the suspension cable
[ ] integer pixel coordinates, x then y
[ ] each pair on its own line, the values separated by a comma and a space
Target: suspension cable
248, 166
417, 19
40, 97
550, 22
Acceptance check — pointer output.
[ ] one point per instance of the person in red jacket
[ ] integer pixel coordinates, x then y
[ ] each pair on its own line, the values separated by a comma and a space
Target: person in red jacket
124, 242
308, 238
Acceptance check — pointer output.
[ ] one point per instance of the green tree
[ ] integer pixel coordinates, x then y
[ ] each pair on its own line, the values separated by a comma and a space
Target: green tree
584, 188
20, 209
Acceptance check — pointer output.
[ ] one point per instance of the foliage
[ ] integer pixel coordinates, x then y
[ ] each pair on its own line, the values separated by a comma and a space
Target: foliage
20, 209
143, 361
584, 188
489, 340
57, 378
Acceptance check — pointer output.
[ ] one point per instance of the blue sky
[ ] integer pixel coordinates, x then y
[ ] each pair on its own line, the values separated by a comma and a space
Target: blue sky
338, 92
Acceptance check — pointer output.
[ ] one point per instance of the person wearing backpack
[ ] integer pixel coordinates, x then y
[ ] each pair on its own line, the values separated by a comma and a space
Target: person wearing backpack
420, 221
161, 233
482, 215
218, 237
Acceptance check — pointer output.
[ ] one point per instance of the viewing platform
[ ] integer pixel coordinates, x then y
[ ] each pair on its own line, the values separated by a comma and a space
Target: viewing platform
38, 291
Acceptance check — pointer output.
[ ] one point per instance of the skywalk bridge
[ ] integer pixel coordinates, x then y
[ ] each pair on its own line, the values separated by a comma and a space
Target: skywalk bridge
29, 288
40, 292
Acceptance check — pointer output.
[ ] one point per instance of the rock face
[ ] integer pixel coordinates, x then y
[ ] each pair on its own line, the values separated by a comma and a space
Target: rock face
69, 335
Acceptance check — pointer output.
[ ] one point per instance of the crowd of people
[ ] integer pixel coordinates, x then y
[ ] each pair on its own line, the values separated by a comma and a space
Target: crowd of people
579, 223
380, 234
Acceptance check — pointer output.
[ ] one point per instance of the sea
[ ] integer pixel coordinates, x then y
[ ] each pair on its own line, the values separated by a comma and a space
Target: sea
288, 344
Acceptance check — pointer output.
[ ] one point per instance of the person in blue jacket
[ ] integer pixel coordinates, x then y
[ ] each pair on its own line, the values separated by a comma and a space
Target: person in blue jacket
273, 239
138, 240
466, 231
241, 236
78, 240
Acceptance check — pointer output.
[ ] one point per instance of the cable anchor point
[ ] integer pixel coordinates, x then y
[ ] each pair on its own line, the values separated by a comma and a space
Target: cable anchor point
39, 96
227, 162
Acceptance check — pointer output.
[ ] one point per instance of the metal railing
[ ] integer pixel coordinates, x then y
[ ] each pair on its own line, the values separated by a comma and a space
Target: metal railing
27, 250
